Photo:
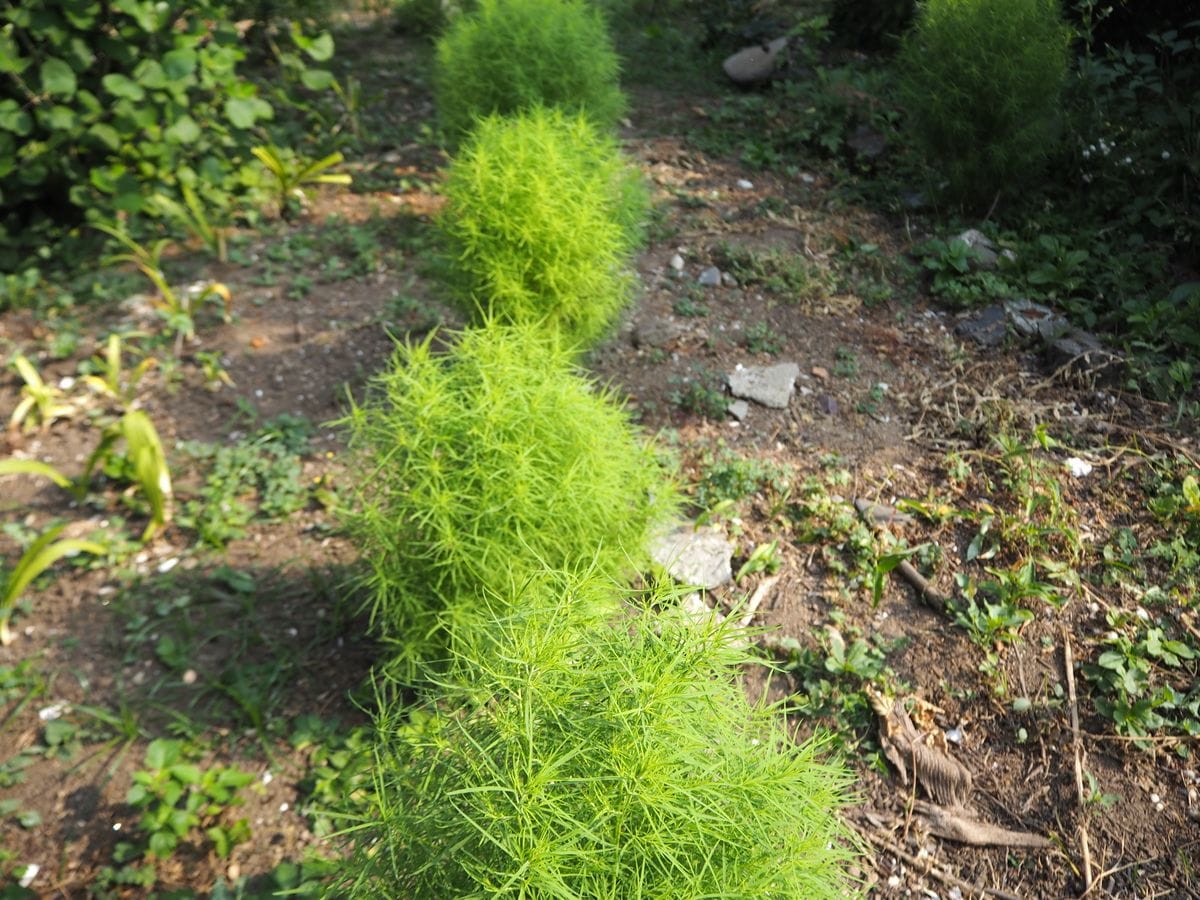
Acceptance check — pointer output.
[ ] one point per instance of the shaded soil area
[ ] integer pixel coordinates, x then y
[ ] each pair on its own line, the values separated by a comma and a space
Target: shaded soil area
237, 648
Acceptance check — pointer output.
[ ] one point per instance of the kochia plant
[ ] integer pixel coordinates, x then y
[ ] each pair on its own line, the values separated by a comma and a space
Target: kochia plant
601, 762
980, 83
511, 55
483, 466
542, 214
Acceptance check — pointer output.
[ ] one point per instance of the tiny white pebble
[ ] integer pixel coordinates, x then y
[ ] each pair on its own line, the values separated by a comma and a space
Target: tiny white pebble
258, 392
1166, 154
116, 826
267, 778
1078, 467
1154, 798
52, 712
31, 872
66, 382
283, 807
745, 185
1143, 615
292, 632
189, 677
1158, 807
167, 565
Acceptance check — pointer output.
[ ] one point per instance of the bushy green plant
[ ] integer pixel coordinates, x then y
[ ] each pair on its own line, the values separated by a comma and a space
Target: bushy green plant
601, 762
980, 83
542, 212
484, 465
511, 55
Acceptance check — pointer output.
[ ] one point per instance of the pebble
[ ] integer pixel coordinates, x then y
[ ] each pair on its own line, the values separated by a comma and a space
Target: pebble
1078, 467
677, 263
745, 185
710, 277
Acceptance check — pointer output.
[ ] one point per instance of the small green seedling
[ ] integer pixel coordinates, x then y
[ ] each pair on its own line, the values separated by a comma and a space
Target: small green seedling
44, 552
40, 403
148, 462
112, 381
291, 174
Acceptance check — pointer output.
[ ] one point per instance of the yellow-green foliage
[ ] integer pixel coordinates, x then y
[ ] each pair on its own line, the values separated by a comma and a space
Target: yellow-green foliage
981, 82
600, 762
542, 214
482, 466
511, 55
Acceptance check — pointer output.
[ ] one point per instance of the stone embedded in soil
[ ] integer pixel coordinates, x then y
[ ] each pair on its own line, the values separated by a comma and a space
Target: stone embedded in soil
739, 409
827, 405
677, 263
769, 385
656, 333
710, 277
697, 557
867, 143
986, 328
1029, 318
754, 64
983, 251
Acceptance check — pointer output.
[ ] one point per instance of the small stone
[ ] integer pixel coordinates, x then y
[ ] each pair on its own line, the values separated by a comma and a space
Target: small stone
827, 405
1029, 318
983, 251
745, 185
739, 409
698, 557
769, 385
710, 277
987, 328
190, 676
728, 280
656, 333
754, 64
820, 372
677, 263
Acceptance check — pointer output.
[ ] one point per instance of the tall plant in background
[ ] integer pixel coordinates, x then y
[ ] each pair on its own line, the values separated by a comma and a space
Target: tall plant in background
980, 83
482, 467
542, 213
511, 55
623, 761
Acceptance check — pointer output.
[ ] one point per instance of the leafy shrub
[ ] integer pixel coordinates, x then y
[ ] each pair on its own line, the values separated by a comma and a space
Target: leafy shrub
103, 105
541, 214
485, 465
511, 55
980, 83
601, 762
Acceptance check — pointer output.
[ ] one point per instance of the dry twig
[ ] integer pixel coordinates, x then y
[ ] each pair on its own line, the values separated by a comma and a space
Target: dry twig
1077, 743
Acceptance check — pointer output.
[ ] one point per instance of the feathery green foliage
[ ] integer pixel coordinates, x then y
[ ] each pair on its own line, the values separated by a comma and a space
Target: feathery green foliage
542, 213
981, 82
600, 762
485, 465
511, 55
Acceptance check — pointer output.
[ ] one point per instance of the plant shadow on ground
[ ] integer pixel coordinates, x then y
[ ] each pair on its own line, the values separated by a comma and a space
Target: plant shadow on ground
251, 666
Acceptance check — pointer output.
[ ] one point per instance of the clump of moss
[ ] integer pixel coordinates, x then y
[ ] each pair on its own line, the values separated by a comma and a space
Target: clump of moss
511, 55
600, 762
482, 466
541, 218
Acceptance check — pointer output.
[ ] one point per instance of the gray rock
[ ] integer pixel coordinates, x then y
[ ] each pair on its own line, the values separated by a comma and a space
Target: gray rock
739, 409
1085, 357
656, 333
827, 405
867, 143
1032, 319
987, 328
710, 277
983, 251
769, 385
697, 557
754, 64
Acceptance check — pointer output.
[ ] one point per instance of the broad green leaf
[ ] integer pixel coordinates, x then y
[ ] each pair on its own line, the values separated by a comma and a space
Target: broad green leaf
123, 86
41, 555
149, 466
316, 79
183, 130
185, 773
10, 55
150, 75
141, 11
161, 753
58, 78
243, 112
60, 118
162, 844
179, 64
107, 135
13, 118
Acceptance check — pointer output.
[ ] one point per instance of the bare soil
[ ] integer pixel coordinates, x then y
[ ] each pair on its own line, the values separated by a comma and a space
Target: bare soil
90, 631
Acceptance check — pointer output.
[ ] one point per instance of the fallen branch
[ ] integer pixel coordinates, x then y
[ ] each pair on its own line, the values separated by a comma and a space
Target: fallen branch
1077, 746
877, 517
944, 877
952, 825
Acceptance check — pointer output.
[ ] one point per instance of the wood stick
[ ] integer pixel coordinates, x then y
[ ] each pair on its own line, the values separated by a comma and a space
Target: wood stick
1077, 744
944, 877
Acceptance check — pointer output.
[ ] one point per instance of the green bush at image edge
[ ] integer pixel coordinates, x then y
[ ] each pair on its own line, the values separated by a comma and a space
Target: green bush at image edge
512, 55
481, 466
593, 762
542, 214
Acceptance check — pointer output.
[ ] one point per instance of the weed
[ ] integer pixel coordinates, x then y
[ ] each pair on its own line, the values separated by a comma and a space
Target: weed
773, 270
40, 403
763, 558
760, 338
1145, 681
292, 174
728, 477
845, 363
605, 761
108, 376
689, 307
822, 517
511, 56
338, 785
989, 621
485, 465
542, 213
42, 553
702, 393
